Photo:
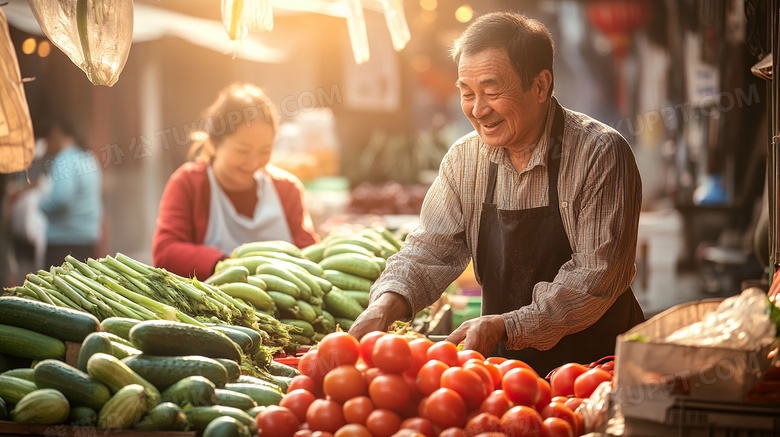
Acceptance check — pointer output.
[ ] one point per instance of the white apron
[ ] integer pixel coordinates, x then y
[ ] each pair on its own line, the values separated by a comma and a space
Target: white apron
228, 229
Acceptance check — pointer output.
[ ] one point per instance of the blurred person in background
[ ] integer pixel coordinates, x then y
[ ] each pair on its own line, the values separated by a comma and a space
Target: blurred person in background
230, 194
546, 202
71, 194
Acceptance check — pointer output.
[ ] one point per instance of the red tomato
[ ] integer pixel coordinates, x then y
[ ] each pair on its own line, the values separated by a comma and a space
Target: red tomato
521, 386
467, 354
356, 410
392, 354
495, 373
586, 383
422, 409
304, 382
429, 376
276, 421
302, 433
483, 422
453, 431
383, 423
494, 360
389, 392
482, 371
445, 352
554, 409
446, 408
545, 397
325, 415
419, 348
298, 402
467, 384
321, 434
338, 349
309, 365
508, 365
423, 426
579, 427
367, 346
555, 427
562, 381
343, 383
558, 399
371, 373
352, 430
521, 421
573, 403
496, 404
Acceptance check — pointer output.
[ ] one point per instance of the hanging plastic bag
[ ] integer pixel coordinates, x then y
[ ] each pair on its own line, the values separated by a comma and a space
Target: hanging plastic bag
241, 16
358, 36
17, 147
95, 34
396, 23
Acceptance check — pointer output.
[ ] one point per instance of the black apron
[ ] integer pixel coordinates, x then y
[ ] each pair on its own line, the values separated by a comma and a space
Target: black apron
519, 248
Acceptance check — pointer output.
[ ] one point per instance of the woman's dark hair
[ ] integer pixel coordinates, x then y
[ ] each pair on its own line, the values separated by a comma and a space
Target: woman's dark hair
236, 105
527, 42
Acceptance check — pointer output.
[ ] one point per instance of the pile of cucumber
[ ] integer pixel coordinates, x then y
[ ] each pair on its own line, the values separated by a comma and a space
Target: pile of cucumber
168, 375
316, 288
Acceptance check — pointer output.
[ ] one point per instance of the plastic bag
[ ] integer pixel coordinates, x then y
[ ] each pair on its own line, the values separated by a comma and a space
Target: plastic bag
739, 322
241, 16
17, 147
95, 34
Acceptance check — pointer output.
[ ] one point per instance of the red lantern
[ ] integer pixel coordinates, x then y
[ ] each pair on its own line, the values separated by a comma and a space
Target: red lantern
619, 19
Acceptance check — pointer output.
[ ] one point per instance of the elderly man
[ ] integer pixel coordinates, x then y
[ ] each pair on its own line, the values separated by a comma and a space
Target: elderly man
545, 201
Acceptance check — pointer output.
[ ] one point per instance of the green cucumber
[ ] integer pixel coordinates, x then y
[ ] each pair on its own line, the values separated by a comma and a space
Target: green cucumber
164, 338
120, 350
249, 293
347, 281
192, 390
166, 416
362, 297
313, 252
230, 398
250, 263
12, 389
165, 371
261, 394
309, 266
228, 275
341, 305
233, 369
276, 283
94, 343
338, 248
119, 326
257, 282
267, 246
278, 369
353, 263
389, 236
344, 323
283, 302
254, 334
287, 275
77, 386
115, 374
305, 328
226, 426
200, 417
306, 311
357, 240
301, 340
25, 343
243, 341
24, 373
45, 406
324, 284
61, 323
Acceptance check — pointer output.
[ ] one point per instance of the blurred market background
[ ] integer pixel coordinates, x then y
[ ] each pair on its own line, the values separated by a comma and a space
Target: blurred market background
674, 77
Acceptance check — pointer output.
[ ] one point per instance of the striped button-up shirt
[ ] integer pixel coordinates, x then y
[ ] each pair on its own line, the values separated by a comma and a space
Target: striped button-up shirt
600, 196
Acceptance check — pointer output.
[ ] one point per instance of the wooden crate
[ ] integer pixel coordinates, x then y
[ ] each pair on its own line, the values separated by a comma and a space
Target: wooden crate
11, 429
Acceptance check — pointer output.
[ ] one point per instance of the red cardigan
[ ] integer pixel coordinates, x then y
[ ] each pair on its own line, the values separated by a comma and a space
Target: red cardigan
177, 244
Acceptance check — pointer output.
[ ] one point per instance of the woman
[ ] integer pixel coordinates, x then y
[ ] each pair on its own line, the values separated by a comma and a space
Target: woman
230, 194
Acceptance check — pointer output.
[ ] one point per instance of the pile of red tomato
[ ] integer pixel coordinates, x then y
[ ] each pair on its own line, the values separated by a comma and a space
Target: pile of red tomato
386, 383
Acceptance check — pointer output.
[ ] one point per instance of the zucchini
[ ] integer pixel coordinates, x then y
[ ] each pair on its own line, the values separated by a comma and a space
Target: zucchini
94, 343
338, 248
344, 323
233, 369
362, 297
277, 269
325, 325
119, 326
283, 302
200, 417
165, 371
341, 305
42, 407
389, 236
305, 328
226, 426
25, 373
81, 415
249, 293
120, 350
357, 240
254, 334
257, 282
262, 394
246, 379
278, 369
353, 263
164, 338
192, 390
78, 387
115, 374
230, 398
313, 252
347, 281
166, 416
124, 408
243, 341
381, 262
275, 283
267, 246
301, 340
228, 275
113, 338
310, 266
250, 263
25, 343
61, 323
253, 411
306, 311
324, 284
12, 389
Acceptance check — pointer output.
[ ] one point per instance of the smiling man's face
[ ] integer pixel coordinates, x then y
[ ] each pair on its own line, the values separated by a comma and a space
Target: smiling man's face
493, 99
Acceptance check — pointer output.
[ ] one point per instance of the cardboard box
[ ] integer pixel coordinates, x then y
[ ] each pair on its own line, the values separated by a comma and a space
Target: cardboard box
655, 372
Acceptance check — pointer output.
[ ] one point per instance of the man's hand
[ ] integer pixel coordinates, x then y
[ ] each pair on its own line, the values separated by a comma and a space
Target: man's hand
382, 313
481, 334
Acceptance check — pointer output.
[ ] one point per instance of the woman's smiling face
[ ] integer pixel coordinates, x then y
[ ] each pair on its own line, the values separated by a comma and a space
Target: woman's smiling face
241, 154
493, 99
